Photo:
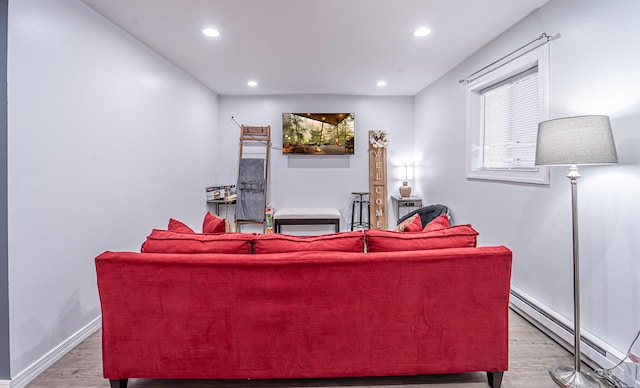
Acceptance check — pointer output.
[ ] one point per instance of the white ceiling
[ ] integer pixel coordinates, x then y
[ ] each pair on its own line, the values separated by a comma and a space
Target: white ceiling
315, 46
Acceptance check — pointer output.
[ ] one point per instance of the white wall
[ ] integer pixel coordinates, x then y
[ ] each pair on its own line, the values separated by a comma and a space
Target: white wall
593, 71
317, 181
106, 141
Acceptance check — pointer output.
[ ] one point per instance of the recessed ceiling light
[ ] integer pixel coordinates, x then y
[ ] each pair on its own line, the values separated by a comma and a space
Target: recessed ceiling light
381, 83
212, 32
421, 32
252, 83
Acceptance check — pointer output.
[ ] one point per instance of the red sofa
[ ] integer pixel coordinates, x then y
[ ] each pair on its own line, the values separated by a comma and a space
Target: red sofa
304, 307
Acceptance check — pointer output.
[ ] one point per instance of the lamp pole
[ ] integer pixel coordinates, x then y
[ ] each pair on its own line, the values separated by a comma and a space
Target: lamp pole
566, 376
573, 176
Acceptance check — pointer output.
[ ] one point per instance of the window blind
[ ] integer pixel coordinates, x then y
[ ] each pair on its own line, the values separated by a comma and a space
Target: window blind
510, 116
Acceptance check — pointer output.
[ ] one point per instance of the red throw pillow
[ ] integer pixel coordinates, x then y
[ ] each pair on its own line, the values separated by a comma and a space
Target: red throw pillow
415, 225
336, 242
164, 241
440, 222
179, 227
458, 236
402, 226
213, 224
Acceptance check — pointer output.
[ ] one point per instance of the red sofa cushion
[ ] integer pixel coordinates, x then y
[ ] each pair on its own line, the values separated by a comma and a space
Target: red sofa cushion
415, 226
458, 236
411, 224
440, 222
179, 227
341, 242
164, 241
213, 224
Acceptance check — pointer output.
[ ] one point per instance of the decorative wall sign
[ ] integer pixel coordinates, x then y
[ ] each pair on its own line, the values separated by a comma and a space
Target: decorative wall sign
378, 179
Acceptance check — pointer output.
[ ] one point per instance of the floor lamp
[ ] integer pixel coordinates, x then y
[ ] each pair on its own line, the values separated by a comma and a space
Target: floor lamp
573, 141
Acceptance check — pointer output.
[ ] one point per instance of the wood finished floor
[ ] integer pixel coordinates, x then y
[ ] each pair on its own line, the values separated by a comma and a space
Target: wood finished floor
531, 354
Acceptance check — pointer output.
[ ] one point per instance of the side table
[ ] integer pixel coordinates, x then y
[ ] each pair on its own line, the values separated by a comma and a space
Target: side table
407, 202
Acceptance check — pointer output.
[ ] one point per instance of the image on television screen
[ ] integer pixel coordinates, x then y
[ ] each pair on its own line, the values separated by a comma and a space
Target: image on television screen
318, 133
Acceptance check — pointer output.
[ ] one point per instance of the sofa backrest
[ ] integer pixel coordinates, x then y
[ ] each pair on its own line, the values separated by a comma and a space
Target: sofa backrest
371, 240
335, 242
458, 236
164, 241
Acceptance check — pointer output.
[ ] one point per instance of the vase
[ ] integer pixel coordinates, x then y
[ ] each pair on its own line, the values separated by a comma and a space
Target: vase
405, 190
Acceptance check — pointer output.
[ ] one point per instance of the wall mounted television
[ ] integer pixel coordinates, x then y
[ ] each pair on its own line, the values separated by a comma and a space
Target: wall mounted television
318, 133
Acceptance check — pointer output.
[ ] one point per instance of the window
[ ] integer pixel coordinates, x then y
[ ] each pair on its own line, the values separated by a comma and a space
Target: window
504, 108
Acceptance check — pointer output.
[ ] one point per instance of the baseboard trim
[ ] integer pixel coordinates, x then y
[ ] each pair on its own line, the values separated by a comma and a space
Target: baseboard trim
32, 371
594, 352
4, 383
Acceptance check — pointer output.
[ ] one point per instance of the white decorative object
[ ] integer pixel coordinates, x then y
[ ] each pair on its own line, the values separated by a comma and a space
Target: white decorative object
378, 139
378, 179
405, 189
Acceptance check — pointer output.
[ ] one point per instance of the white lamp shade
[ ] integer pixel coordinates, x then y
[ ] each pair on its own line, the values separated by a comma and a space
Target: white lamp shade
403, 173
575, 140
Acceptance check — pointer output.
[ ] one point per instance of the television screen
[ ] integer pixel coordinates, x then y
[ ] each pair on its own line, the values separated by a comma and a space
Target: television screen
318, 133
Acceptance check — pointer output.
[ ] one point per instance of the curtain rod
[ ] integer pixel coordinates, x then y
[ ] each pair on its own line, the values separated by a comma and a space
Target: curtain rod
542, 36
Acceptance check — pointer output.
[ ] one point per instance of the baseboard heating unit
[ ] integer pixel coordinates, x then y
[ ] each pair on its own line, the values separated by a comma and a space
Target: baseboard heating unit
595, 353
